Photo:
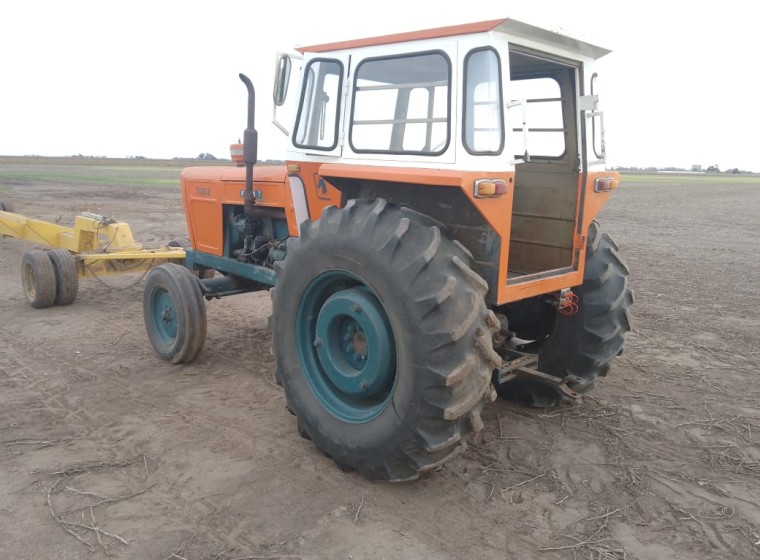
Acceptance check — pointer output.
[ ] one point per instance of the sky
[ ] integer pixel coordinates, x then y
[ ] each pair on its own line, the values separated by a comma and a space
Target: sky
159, 78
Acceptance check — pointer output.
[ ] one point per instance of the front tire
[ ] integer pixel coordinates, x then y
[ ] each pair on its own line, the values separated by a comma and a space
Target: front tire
382, 339
174, 313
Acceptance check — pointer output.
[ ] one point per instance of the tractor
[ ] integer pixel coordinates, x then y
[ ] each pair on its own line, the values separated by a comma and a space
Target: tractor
429, 242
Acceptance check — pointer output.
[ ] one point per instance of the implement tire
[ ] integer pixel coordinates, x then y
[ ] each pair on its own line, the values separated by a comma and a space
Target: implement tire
583, 345
38, 279
174, 313
382, 339
66, 276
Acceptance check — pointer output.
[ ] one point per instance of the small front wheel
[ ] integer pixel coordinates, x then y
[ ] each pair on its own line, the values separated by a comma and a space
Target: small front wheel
38, 279
174, 313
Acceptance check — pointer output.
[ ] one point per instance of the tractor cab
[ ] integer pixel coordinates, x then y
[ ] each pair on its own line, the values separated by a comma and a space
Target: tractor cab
506, 111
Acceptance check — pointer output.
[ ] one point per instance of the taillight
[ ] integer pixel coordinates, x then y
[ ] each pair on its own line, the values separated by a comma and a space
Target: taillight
490, 188
605, 184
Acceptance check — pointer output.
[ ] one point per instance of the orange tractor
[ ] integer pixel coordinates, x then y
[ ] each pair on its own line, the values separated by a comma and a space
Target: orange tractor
430, 241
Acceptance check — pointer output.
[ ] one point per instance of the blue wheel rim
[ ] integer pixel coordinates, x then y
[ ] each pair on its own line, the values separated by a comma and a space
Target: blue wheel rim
163, 313
345, 347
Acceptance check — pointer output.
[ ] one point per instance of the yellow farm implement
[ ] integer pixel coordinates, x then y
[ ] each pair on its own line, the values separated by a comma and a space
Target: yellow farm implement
95, 246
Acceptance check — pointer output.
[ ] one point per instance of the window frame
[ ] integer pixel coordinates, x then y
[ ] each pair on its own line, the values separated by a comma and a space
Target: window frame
501, 104
337, 110
594, 131
561, 99
445, 147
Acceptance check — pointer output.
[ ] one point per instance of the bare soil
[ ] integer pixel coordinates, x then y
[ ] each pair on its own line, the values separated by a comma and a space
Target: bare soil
106, 449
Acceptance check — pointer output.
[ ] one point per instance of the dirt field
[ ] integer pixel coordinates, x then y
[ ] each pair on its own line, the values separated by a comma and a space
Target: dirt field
203, 461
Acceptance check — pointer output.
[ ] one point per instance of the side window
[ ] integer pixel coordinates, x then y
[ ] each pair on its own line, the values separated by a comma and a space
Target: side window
483, 129
544, 118
402, 105
319, 110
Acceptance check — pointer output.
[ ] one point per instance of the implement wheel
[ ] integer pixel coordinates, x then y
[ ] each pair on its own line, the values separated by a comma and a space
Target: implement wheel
382, 339
38, 279
66, 276
581, 345
174, 313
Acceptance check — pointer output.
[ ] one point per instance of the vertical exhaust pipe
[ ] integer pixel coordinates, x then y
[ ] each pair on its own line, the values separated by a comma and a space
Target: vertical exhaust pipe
250, 148
250, 156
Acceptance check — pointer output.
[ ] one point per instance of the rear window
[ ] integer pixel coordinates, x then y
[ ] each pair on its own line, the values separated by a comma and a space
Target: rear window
544, 118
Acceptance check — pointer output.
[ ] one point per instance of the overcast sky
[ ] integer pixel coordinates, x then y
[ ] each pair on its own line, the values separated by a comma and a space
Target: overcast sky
159, 78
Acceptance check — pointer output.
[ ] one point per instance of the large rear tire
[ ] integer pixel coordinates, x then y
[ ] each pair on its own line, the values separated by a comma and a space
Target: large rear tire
66, 276
38, 279
584, 344
382, 339
174, 313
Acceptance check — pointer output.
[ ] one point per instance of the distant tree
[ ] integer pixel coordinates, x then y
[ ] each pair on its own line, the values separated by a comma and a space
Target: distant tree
696, 167
713, 169
205, 155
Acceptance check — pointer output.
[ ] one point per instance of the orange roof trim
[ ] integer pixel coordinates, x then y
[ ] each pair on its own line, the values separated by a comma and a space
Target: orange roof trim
436, 33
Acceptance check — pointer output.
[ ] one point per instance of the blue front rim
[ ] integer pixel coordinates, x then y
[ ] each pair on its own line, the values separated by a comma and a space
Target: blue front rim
345, 347
164, 316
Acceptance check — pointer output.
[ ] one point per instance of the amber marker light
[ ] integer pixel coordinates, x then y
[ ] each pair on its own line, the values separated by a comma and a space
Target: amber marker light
605, 184
490, 188
236, 153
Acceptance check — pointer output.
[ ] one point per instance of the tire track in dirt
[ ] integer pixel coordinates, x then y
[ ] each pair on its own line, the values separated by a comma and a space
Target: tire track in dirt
244, 443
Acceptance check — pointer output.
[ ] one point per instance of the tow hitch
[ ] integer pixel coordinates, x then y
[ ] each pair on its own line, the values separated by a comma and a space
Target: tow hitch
521, 367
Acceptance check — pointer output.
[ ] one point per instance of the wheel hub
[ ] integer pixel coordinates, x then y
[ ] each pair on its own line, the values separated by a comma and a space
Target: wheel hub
355, 352
346, 347
164, 315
